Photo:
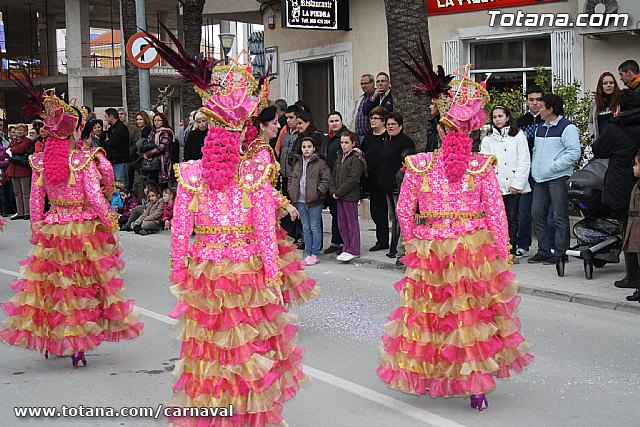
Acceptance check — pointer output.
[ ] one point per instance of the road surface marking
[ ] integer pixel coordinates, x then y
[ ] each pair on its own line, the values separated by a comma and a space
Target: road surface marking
418, 414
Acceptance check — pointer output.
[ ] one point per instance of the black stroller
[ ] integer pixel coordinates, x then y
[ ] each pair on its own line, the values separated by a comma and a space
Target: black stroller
599, 238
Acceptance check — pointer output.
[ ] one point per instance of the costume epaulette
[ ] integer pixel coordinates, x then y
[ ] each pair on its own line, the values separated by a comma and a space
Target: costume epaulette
36, 161
480, 163
420, 163
255, 167
189, 176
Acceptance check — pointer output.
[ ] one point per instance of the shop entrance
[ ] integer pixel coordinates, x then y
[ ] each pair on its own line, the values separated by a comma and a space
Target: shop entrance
315, 86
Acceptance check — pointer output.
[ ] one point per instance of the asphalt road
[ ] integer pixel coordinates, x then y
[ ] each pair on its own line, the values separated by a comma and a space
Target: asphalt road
585, 373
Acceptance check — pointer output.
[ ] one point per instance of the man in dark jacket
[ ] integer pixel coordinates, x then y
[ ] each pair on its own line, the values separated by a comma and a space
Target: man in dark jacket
117, 145
336, 127
381, 97
620, 142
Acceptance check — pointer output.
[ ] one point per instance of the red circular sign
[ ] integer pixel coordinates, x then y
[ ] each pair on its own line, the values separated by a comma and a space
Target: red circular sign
142, 52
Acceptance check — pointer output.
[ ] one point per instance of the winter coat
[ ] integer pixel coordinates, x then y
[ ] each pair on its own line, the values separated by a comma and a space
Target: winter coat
134, 136
162, 137
167, 212
345, 179
128, 205
4, 164
193, 145
632, 232
512, 153
333, 146
619, 143
318, 176
19, 146
391, 160
555, 150
153, 212
117, 143
594, 120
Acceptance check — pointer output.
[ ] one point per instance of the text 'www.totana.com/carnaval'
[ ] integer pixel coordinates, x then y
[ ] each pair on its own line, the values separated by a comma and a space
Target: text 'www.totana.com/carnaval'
127, 412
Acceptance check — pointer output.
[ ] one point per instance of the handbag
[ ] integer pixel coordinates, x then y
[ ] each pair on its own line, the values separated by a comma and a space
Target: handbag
20, 159
144, 145
150, 165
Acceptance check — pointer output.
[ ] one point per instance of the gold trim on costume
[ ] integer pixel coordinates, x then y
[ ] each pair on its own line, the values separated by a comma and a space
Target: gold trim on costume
223, 229
449, 215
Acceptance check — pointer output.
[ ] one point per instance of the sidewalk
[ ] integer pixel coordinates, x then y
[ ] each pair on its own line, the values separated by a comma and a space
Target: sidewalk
533, 279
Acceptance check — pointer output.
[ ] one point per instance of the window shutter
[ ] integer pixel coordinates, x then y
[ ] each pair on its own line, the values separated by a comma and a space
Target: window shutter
562, 55
451, 55
342, 93
289, 87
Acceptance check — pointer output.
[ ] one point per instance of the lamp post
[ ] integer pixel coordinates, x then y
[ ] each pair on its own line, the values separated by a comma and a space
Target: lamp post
226, 41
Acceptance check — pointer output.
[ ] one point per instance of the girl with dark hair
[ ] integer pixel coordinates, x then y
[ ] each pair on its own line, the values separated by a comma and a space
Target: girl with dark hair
162, 137
505, 141
604, 104
345, 189
308, 182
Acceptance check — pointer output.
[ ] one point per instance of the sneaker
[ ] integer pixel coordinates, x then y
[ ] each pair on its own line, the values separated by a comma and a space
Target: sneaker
26, 217
143, 232
348, 257
552, 260
311, 260
341, 256
537, 259
522, 253
16, 216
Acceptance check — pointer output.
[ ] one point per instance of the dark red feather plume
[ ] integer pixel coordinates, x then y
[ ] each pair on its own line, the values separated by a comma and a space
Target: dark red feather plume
432, 84
35, 96
195, 70
267, 76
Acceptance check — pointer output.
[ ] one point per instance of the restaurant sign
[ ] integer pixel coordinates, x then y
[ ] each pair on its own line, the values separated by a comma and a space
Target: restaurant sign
440, 7
315, 14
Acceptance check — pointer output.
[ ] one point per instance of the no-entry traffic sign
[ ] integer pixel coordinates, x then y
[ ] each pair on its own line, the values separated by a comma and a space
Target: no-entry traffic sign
141, 52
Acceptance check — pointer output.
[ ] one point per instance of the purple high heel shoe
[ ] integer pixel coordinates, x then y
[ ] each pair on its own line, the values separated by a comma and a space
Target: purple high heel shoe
477, 400
78, 357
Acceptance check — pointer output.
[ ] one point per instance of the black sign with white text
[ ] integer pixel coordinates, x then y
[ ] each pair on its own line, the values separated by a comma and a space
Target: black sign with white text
316, 14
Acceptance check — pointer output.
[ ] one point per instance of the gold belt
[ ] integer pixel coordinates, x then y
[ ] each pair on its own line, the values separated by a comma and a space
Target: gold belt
223, 229
452, 215
56, 202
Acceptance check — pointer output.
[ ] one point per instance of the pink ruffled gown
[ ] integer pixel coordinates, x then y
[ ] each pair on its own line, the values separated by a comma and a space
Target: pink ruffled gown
238, 339
456, 329
69, 297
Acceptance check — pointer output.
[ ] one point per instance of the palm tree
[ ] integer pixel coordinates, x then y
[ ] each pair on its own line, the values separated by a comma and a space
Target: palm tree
406, 20
192, 32
132, 83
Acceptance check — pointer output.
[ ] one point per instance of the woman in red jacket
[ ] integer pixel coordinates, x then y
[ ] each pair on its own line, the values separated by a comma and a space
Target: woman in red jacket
20, 174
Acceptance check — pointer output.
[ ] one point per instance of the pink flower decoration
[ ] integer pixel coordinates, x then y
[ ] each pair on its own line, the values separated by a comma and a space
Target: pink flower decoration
456, 149
56, 160
220, 156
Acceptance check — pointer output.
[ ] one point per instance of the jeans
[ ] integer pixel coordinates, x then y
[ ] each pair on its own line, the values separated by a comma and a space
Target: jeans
551, 196
511, 204
524, 228
121, 172
311, 218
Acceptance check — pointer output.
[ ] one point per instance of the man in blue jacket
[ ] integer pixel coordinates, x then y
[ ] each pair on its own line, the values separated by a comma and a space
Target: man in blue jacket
555, 150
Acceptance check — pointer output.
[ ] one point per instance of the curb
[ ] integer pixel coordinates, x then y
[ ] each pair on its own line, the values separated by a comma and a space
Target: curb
558, 295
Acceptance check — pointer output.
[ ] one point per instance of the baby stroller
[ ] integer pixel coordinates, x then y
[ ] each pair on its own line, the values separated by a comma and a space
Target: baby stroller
599, 238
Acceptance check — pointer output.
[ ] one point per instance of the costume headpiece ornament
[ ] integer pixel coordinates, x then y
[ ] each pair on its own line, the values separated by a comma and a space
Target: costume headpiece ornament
431, 84
34, 95
230, 93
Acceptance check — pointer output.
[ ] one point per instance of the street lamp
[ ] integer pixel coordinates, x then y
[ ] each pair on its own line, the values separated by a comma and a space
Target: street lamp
226, 41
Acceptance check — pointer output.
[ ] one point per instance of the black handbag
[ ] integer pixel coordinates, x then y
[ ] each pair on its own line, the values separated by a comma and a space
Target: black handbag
150, 165
144, 145
20, 159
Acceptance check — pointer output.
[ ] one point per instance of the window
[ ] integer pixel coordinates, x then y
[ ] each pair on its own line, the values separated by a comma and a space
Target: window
511, 62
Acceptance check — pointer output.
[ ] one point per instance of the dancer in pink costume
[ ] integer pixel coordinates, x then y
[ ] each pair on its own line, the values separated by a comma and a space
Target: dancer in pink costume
238, 338
456, 329
69, 298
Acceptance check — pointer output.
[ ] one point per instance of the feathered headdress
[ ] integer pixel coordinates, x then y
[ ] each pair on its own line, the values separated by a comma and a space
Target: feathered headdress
35, 96
195, 70
431, 84
230, 93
